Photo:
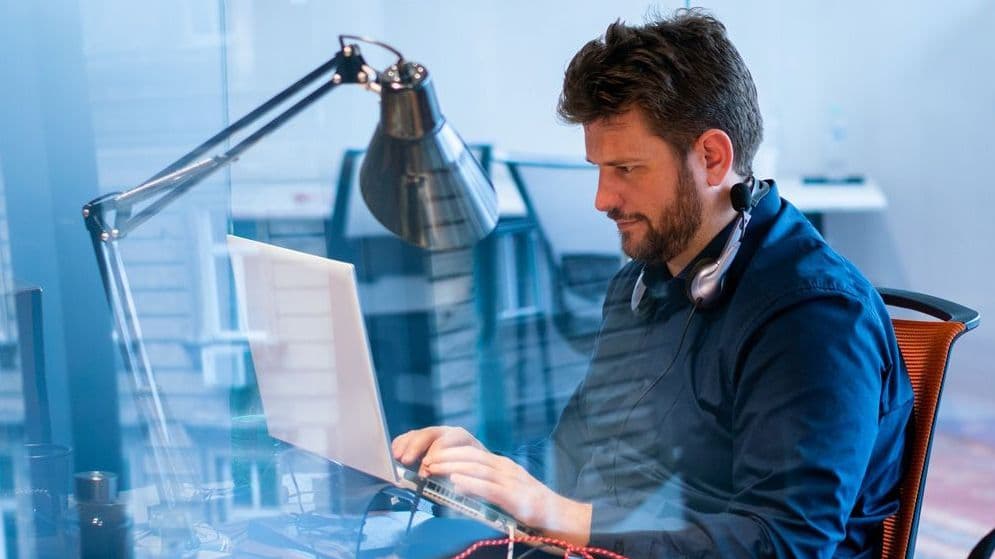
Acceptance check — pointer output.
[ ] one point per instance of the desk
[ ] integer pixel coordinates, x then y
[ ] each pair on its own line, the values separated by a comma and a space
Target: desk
818, 200
826, 198
297, 200
277, 532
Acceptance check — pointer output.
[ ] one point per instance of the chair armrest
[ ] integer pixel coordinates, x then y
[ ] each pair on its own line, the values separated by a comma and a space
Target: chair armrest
985, 547
933, 306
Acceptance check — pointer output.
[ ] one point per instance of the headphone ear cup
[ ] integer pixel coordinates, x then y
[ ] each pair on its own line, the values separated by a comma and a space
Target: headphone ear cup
741, 197
694, 282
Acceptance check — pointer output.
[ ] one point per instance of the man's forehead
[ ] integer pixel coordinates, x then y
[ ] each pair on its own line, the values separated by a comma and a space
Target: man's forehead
623, 139
612, 121
625, 119
632, 121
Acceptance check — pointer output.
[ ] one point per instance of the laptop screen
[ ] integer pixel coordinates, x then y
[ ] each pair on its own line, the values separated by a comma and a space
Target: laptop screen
311, 355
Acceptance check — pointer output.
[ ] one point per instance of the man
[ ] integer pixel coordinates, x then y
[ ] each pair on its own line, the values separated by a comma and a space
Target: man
770, 424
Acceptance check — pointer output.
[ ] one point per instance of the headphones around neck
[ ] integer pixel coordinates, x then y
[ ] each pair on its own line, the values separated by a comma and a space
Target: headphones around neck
705, 281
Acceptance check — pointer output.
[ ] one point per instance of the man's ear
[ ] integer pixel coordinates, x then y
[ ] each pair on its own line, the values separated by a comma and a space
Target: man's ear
713, 149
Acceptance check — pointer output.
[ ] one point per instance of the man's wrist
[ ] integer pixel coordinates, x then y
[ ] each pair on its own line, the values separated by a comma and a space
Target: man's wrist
568, 520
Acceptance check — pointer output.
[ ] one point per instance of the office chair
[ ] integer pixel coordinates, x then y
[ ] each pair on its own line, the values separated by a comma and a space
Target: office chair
985, 547
925, 347
581, 248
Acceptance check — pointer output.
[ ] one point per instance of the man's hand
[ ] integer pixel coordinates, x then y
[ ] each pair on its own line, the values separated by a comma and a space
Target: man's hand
423, 444
496, 479
453, 452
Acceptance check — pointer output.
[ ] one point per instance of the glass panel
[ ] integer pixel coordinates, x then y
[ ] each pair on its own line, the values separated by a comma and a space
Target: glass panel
493, 339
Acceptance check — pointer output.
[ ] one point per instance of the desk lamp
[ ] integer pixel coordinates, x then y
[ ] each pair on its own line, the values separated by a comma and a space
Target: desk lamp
418, 179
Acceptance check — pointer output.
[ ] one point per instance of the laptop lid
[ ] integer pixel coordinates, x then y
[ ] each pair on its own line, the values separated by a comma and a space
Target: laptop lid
311, 355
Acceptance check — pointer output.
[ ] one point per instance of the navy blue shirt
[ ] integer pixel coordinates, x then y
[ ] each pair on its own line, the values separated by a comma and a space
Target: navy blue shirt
779, 429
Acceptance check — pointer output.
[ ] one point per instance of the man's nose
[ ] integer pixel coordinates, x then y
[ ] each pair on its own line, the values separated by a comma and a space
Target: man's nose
606, 198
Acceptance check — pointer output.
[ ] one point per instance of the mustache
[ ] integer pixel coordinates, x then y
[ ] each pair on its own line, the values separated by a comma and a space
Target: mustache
616, 214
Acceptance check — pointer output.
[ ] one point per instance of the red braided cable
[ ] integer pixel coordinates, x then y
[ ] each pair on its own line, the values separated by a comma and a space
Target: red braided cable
585, 552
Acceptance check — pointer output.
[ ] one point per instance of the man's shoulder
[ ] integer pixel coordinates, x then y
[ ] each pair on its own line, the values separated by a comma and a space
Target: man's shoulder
792, 264
797, 292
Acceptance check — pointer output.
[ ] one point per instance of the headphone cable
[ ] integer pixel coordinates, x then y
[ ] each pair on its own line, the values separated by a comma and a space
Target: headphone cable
618, 435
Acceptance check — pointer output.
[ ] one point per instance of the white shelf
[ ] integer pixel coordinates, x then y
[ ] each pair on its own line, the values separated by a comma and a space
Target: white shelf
290, 200
833, 197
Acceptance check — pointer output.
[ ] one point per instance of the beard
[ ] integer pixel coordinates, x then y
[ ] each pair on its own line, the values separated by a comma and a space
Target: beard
669, 234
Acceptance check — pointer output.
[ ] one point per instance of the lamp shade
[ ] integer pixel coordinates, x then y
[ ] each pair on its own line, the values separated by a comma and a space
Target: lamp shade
418, 178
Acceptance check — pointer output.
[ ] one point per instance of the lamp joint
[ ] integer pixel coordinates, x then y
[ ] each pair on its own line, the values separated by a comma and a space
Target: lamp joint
352, 67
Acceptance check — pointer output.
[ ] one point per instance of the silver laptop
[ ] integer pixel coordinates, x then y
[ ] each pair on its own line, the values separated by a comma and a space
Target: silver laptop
313, 367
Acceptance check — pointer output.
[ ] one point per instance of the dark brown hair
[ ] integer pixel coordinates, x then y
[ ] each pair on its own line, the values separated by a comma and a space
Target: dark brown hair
681, 71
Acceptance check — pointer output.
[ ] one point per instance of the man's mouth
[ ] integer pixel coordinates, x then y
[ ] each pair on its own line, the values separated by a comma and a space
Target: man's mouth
626, 223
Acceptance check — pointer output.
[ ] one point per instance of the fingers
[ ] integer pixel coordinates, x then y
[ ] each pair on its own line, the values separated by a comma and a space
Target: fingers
462, 453
473, 462
481, 488
500, 482
472, 469
411, 446
450, 438
422, 444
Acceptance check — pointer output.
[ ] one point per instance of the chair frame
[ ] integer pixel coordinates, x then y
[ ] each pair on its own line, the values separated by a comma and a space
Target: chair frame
947, 311
563, 318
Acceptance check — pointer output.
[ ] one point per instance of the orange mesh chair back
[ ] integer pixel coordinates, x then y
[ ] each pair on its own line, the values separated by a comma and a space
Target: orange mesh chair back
925, 347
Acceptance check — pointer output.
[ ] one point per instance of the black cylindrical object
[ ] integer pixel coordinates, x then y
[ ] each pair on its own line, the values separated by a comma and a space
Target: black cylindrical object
103, 522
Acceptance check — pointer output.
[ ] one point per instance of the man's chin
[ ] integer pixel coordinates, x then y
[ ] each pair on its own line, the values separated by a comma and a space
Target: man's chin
628, 244
635, 247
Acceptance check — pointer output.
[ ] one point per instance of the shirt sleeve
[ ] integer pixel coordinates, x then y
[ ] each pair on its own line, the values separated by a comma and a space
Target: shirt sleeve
806, 409
556, 459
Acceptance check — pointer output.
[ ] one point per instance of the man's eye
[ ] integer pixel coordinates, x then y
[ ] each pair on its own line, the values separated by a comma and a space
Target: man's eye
624, 169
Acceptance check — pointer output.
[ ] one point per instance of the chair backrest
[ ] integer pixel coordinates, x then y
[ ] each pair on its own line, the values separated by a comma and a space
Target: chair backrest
581, 246
559, 195
925, 347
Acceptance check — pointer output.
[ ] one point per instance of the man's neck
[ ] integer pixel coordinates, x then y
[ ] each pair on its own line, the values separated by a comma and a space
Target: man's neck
710, 227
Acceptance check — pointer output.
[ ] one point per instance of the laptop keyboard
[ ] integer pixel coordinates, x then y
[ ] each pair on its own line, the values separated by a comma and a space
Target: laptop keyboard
441, 491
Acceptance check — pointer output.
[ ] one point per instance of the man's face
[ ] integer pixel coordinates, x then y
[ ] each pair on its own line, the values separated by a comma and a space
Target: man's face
644, 187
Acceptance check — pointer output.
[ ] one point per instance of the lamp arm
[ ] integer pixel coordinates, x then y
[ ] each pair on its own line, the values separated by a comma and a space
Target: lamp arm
347, 66
330, 65
194, 174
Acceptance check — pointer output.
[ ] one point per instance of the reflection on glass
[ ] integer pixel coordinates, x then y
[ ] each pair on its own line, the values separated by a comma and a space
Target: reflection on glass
34, 473
213, 478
